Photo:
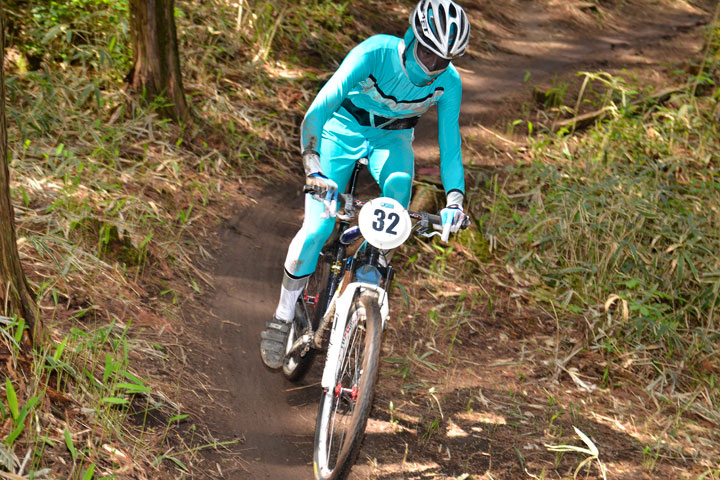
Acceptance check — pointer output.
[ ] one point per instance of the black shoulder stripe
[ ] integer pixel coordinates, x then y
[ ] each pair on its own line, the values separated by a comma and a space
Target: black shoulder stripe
390, 97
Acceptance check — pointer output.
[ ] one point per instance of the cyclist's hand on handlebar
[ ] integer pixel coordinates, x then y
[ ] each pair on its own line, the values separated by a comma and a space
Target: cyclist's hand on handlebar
453, 218
321, 187
324, 190
452, 215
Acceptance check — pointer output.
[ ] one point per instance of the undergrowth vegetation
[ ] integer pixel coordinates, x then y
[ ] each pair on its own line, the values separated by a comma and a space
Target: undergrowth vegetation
620, 226
109, 200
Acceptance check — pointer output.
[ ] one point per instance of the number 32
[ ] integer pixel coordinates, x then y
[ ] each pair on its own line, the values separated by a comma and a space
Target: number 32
379, 224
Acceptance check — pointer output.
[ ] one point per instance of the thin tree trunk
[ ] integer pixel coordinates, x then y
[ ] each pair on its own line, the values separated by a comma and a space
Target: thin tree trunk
14, 289
156, 67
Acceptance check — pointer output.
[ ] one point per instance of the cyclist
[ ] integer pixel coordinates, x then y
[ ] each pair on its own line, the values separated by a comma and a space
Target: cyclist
368, 109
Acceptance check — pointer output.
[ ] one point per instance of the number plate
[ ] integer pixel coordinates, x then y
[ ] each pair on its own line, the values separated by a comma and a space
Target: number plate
384, 223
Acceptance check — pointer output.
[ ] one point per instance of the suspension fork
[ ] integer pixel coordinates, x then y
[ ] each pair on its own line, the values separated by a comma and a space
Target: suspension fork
337, 268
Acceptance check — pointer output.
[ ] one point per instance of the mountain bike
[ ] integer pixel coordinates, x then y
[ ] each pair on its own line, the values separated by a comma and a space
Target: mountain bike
343, 310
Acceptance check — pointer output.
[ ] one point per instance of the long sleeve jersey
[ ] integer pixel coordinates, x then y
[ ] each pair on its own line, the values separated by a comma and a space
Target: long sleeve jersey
373, 77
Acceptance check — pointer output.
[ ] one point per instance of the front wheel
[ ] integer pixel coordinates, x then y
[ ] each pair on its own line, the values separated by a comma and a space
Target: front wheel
345, 407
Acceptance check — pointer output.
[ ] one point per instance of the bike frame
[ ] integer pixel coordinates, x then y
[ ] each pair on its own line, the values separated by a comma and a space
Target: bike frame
342, 268
343, 294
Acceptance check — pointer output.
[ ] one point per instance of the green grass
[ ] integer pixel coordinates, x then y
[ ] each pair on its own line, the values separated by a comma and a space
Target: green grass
85, 369
620, 226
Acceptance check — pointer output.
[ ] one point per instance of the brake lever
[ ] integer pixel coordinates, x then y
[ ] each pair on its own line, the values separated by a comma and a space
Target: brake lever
423, 225
349, 211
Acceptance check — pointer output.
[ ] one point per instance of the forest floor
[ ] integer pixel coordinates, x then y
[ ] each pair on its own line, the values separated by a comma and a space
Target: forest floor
477, 380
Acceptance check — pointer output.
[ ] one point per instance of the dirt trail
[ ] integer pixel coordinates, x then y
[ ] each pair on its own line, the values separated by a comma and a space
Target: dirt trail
274, 419
275, 425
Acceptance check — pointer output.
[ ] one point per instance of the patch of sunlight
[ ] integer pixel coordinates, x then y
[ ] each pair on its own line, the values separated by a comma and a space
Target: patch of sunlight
405, 469
482, 417
453, 431
688, 441
280, 69
375, 425
537, 48
626, 427
378, 426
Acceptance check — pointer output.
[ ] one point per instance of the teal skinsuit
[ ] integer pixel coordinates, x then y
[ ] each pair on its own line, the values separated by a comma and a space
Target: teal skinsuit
386, 101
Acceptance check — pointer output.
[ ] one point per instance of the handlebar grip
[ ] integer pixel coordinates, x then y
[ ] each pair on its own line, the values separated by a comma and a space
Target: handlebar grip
435, 221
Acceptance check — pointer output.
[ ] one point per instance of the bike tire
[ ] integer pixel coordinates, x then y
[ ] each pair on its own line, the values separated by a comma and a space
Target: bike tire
296, 366
344, 410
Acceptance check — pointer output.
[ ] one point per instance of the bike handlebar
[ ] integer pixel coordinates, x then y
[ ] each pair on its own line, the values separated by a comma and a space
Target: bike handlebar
435, 221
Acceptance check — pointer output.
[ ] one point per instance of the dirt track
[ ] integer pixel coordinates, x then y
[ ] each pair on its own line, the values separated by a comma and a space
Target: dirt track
276, 425
274, 418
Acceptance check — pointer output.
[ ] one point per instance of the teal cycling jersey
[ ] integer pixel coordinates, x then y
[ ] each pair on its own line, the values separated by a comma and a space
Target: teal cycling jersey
373, 77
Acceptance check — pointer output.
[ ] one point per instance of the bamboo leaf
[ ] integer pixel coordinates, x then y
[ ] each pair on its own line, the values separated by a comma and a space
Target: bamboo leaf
14, 434
53, 32
593, 449
69, 444
11, 399
133, 388
89, 473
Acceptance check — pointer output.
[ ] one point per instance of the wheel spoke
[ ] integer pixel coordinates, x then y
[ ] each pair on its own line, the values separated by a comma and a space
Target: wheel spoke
345, 406
346, 391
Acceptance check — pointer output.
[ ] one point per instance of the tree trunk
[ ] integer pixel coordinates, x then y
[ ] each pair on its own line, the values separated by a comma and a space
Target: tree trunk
156, 62
14, 289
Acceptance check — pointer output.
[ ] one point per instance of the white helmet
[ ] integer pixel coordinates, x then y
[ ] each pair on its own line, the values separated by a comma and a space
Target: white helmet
442, 26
